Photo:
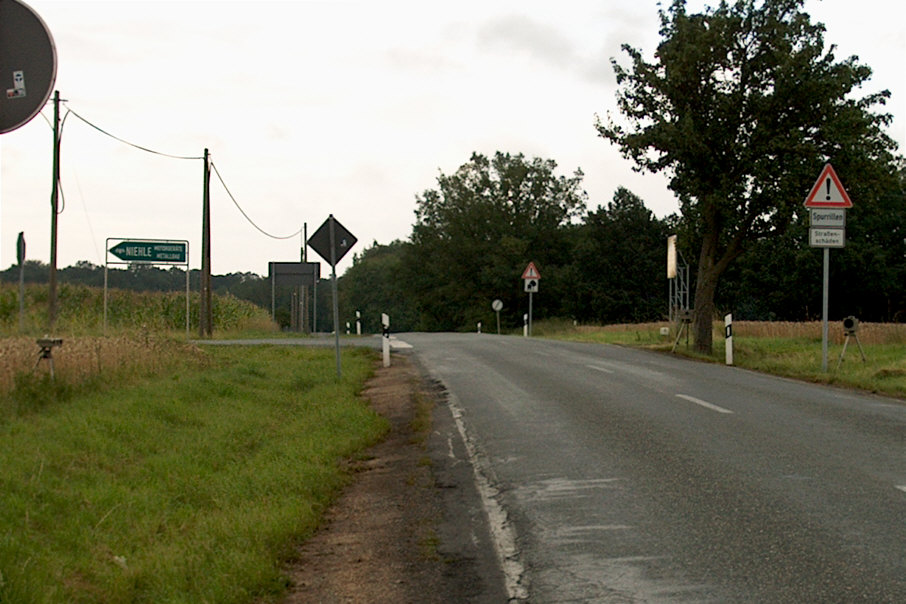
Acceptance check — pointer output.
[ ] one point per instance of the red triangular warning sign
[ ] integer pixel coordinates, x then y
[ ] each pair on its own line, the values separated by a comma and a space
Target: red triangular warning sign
828, 192
531, 272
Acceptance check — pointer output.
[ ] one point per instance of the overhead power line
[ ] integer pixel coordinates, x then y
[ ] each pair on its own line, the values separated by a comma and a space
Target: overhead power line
238, 207
219, 177
102, 131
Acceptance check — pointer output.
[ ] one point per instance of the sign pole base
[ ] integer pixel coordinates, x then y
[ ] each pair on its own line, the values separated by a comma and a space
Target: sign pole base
824, 298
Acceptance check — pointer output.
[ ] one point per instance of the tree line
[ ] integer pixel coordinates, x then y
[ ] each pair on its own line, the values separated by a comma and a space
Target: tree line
474, 235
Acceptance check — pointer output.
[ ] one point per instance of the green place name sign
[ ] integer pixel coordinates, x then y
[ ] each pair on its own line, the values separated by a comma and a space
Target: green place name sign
155, 252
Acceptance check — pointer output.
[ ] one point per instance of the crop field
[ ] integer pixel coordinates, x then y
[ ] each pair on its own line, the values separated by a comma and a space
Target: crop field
779, 348
81, 311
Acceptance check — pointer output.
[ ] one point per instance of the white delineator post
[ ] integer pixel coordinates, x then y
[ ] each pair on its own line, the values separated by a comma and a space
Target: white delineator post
385, 322
728, 327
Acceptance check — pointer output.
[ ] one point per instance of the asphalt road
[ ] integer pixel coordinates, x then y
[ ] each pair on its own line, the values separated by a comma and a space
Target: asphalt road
617, 475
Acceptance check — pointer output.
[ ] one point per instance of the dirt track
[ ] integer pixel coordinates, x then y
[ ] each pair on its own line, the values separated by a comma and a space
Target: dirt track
406, 529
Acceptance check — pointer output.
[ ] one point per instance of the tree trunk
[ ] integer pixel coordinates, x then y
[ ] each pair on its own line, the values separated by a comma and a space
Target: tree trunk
711, 266
705, 287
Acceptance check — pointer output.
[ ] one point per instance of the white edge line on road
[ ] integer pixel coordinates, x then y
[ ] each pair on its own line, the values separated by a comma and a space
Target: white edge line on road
503, 534
704, 404
599, 368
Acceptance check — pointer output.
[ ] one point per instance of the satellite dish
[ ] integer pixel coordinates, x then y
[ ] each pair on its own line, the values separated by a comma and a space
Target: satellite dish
28, 64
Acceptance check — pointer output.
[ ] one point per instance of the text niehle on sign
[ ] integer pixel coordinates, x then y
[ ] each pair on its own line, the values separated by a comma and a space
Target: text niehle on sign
156, 252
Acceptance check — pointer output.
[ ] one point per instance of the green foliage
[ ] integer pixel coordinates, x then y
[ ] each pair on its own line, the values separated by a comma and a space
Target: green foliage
189, 487
780, 278
741, 107
478, 230
372, 286
33, 392
146, 278
618, 263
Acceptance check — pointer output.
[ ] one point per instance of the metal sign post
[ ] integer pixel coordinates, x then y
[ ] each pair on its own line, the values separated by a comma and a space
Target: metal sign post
20, 256
825, 287
331, 241
531, 277
497, 306
828, 202
678, 276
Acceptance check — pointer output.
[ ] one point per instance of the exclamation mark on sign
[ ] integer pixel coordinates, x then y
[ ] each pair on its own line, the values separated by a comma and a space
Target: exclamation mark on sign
828, 183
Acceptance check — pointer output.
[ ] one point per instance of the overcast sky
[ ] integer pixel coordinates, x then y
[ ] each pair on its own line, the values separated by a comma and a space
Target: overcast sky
350, 108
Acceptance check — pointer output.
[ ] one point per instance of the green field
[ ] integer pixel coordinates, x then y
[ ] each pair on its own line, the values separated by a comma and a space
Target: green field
188, 481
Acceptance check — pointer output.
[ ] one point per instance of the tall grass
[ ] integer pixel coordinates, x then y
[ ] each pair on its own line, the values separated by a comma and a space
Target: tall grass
83, 363
81, 311
780, 348
192, 486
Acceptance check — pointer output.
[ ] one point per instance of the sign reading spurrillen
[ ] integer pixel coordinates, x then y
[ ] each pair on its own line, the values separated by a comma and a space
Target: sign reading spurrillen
827, 202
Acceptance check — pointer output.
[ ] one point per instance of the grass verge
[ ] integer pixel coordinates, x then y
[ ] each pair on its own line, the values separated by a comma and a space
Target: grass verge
192, 486
786, 349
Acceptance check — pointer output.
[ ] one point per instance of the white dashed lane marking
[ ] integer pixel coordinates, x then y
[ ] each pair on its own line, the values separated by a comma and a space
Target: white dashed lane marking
704, 404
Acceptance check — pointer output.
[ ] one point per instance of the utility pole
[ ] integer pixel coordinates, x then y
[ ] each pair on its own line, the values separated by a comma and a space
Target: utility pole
304, 288
205, 314
54, 204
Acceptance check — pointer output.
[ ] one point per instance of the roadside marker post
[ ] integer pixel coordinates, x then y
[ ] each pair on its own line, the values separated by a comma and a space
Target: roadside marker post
728, 333
385, 338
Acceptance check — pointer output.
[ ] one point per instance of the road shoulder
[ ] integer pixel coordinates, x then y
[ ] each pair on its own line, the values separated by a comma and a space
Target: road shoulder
410, 527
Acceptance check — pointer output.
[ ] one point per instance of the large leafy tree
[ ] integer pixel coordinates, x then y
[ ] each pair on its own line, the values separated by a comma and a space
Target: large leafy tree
780, 278
372, 286
618, 263
475, 233
741, 107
